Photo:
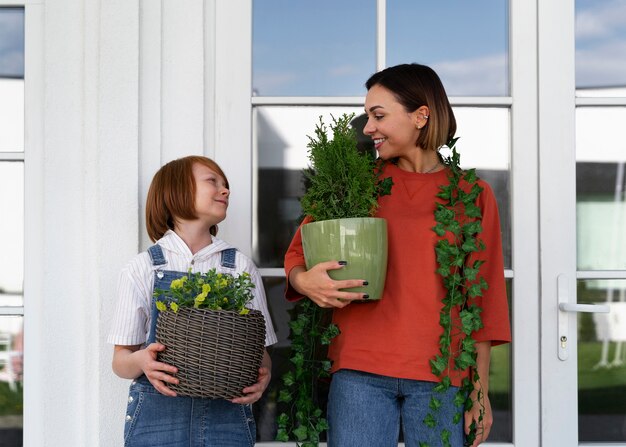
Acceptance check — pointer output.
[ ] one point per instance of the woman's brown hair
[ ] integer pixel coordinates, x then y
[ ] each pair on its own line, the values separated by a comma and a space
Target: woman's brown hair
172, 195
414, 86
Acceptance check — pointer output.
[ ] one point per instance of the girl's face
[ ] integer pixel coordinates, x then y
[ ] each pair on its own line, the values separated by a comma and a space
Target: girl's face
211, 194
392, 128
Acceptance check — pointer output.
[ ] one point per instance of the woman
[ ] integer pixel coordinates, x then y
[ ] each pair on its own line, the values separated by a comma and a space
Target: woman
382, 378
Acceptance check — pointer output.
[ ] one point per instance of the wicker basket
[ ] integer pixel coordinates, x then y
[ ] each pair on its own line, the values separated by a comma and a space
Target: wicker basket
218, 353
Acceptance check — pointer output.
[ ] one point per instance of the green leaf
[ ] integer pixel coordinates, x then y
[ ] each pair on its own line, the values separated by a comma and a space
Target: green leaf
301, 433
457, 418
464, 361
430, 421
438, 365
284, 396
282, 435
282, 420
434, 404
288, 378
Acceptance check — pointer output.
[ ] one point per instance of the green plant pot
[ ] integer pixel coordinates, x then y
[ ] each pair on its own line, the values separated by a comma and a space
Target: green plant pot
361, 241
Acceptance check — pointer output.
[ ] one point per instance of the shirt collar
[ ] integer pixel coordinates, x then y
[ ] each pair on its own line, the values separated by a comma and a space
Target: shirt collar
173, 242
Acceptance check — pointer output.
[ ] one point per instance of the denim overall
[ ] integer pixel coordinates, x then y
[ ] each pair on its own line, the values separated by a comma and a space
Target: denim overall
153, 419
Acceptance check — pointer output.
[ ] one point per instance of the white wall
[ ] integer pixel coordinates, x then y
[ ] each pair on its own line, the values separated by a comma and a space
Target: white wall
114, 89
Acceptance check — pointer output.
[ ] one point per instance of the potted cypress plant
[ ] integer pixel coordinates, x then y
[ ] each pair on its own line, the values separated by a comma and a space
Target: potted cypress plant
341, 199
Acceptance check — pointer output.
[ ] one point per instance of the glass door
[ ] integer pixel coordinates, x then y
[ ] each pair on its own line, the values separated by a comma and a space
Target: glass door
582, 223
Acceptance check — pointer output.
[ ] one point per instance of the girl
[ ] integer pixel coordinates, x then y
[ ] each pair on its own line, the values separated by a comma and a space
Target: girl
188, 197
381, 368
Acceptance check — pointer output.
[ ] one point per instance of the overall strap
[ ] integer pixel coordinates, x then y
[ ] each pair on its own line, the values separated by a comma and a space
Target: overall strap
156, 254
228, 258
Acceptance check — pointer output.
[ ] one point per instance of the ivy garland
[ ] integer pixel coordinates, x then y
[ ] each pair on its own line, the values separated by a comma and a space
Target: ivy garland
311, 333
458, 224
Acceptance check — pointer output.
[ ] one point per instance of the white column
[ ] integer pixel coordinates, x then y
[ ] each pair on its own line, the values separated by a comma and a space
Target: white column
233, 146
115, 220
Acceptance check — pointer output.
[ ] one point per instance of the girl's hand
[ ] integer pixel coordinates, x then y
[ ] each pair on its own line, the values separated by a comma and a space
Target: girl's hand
130, 362
158, 373
483, 427
254, 392
321, 288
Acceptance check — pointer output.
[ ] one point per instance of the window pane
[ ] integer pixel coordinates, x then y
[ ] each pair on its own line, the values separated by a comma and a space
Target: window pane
11, 79
601, 47
466, 43
281, 141
321, 48
600, 182
11, 233
500, 388
11, 393
601, 378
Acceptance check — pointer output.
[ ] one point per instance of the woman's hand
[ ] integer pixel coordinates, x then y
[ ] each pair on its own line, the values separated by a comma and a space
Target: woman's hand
130, 362
480, 395
254, 392
483, 427
321, 288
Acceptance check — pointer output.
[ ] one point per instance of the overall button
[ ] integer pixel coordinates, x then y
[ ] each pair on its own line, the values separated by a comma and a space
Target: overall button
130, 399
160, 275
129, 417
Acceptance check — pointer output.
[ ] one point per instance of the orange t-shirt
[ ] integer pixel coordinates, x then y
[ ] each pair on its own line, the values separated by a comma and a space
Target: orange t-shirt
398, 335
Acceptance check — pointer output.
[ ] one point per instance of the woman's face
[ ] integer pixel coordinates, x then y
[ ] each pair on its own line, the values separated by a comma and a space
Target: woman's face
393, 129
212, 195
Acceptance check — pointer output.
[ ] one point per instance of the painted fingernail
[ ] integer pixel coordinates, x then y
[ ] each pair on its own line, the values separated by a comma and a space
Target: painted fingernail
365, 283
343, 262
366, 296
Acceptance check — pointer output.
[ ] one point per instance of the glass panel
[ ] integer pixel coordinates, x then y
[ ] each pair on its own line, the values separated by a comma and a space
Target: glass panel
11, 233
11, 392
601, 48
600, 206
466, 43
601, 363
321, 48
281, 139
12, 79
500, 388
266, 409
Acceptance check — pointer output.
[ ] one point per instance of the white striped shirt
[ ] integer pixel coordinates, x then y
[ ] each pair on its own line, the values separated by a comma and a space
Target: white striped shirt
131, 322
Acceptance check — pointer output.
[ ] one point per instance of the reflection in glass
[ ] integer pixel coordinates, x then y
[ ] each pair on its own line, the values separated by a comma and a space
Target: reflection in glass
600, 185
466, 43
321, 48
601, 48
11, 233
11, 79
602, 363
280, 135
265, 410
11, 391
12, 43
281, 141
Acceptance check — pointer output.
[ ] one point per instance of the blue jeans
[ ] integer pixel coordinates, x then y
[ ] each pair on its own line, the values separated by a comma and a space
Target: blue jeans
153, 420
366, 409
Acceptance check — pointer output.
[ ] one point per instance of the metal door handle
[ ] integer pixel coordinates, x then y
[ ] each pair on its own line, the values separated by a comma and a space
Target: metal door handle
565, 307
590, 308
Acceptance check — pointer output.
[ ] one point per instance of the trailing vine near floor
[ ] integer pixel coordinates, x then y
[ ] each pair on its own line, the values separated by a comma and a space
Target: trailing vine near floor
311, 333
458, 224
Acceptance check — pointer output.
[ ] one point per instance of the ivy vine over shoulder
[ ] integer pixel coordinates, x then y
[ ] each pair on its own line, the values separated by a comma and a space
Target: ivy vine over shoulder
458, 225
